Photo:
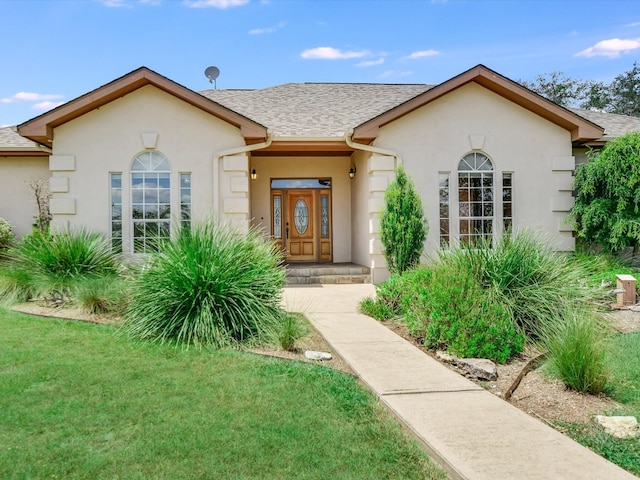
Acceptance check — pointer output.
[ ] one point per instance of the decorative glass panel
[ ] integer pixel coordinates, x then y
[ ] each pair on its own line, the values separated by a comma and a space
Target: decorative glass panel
324, 215
443, 192
301, 216
116, 212
301, 183
277, 216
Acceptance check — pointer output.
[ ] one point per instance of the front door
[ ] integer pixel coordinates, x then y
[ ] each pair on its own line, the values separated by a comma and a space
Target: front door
301, 223
300, 233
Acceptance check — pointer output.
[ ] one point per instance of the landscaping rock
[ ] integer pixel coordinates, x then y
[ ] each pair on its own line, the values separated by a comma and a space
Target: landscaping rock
445, 357
619, 427
478, 368
313, 355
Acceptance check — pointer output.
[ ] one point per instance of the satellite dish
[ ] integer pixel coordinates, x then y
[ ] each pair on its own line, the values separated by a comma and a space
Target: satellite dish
212, 73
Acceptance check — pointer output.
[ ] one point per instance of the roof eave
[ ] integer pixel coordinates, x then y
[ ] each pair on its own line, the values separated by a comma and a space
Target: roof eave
40, 129
580, 128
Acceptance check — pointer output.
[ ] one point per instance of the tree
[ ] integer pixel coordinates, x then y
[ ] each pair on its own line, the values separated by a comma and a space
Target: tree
40, 190
607, 206
625, 93
403, 227
558, 88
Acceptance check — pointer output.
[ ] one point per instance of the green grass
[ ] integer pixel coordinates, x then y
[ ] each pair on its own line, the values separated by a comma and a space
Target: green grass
79, 402
623, 366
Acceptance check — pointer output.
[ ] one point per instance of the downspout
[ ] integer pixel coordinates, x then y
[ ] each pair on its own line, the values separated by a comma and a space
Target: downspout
372, 149
216, 167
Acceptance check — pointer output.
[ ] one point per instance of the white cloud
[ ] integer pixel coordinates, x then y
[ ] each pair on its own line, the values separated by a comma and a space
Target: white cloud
612, 48
395, 73
115, 3
422, 54
330, 53
221, 4
29, 97
261, 31
634, 24
46, 105
370, 63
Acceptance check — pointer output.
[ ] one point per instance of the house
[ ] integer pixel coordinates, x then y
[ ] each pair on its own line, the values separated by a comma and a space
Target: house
306, 163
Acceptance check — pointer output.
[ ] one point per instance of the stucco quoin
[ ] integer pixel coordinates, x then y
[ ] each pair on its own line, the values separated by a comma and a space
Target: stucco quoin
435, 137
108, 139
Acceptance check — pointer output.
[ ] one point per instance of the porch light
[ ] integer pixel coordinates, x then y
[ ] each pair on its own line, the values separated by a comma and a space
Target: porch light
352, 173
254, 174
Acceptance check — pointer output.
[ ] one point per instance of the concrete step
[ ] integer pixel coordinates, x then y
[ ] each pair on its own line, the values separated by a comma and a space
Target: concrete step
303, 274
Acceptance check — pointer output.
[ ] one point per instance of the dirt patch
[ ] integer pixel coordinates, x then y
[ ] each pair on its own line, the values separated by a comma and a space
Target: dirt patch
539, 395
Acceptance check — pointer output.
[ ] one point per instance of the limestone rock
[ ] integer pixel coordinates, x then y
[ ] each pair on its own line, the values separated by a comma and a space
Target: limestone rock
445, 357
313, 355
480, 368
619, 427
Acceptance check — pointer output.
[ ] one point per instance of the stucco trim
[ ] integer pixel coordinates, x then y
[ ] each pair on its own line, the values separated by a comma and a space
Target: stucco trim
581, 129
40, 129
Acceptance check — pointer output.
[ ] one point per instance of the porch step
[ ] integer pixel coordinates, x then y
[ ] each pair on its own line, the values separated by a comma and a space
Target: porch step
307, 274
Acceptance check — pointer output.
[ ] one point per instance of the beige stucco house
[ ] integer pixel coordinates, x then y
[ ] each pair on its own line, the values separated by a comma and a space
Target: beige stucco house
306, 163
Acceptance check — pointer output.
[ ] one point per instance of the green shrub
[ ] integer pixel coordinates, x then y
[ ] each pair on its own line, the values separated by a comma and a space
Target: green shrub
288, 331
45, 265
101, 295
209, 286
466, 322
6, 234
576, 344
403, 227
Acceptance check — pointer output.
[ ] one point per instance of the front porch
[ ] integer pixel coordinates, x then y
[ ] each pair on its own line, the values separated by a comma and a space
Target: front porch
327, 273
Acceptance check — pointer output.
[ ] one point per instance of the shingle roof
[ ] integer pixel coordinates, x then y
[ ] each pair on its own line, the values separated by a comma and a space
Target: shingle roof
316, 109
614, 125
9, 138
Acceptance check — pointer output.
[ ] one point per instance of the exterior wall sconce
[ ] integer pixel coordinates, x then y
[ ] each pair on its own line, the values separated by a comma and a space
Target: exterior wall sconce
352, 173
254, 174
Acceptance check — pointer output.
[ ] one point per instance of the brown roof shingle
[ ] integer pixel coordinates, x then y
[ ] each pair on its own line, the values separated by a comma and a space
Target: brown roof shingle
614, 125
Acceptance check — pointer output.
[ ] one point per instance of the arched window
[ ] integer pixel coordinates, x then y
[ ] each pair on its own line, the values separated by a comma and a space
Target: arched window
475, 198
150, 201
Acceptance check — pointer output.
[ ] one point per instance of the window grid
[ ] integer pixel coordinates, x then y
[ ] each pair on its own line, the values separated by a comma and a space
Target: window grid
443, 188
150, 201
475, 199
185, 201
115, 182
507, 201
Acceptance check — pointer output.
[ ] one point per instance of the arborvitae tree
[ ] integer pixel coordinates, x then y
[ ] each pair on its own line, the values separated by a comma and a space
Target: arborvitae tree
607, 207
403, 227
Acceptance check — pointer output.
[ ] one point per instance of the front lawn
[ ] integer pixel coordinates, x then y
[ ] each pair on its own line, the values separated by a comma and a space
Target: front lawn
78, 401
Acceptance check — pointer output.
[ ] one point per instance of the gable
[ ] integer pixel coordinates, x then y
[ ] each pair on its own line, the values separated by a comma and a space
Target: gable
581, 129
41, 128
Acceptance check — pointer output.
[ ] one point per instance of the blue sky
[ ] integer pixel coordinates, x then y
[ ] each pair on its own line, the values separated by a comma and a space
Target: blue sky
56, 50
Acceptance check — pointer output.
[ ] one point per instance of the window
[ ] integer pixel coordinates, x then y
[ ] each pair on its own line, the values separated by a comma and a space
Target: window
507, 201
116, 211
475, 198
185, 200
443, 188
150, 201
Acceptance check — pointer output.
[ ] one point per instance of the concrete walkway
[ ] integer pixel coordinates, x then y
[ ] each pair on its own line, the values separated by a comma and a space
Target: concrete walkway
472, 433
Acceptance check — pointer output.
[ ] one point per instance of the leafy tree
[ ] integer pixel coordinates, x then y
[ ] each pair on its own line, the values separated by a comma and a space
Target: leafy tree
596, 96
607, 206
403, 227
558, 88
625, 93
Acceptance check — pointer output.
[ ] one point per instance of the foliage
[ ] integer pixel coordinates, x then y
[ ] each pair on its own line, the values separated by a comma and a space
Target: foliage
46, 265
101, 295
6, 234
607, 205
403, 228
576, 346
557, 87
621, 96
78, 402
208, 286
623, 365
288, 331
40, 190
466, 322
